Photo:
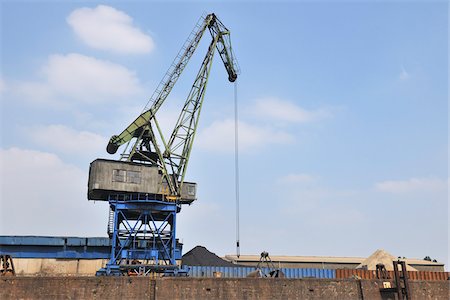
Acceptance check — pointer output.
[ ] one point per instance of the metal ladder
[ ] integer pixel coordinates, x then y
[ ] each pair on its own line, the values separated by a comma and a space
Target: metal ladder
401, 280
110, 228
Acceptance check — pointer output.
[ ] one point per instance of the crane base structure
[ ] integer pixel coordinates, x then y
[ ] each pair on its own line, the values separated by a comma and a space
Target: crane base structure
142, 232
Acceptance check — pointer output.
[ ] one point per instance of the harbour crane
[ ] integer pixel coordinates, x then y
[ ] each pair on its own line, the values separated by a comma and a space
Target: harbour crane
147, 186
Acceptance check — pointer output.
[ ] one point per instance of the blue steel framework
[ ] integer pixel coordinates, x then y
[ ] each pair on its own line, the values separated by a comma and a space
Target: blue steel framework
143, 238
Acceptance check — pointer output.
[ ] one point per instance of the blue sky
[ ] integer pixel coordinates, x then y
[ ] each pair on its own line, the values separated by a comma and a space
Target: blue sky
343, 120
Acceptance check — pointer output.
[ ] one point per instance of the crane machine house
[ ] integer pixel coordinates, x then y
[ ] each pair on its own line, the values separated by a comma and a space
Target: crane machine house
110, 176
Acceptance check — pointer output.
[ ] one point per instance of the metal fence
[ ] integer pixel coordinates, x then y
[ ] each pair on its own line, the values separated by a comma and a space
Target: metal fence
241, 272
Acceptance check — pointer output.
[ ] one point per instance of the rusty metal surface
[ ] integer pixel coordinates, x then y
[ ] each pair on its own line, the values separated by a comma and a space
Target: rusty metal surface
412, 275
7, 266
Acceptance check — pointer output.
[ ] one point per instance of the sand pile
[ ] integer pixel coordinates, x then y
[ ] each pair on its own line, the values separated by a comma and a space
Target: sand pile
381, 257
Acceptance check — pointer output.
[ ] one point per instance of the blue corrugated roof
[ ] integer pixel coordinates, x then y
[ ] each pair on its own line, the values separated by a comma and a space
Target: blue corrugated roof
31, 240
54, 241
55, 247
99, 242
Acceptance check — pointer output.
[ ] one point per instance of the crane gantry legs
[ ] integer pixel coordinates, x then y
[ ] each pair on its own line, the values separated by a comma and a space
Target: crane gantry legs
143, 236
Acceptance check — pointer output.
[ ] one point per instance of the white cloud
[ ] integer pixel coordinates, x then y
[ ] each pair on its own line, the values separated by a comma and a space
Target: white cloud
297, 178
404, 75
88, 77
82, 78
42, 195
37, 92
67, 140
219, 136
412, 185
107, 28
282, 110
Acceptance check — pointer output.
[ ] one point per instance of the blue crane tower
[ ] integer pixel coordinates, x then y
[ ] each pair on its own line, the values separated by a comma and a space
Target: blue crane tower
146, 187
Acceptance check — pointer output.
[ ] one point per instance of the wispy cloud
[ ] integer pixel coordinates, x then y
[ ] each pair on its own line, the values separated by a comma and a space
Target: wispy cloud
411, 185
31, 180
297, 178
36, 92
282, 110
81, 78
66, 140
404, 75
107, 28
269, 117
219, 136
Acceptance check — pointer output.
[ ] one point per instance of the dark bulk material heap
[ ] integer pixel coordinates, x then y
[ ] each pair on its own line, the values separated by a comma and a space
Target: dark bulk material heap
200, 256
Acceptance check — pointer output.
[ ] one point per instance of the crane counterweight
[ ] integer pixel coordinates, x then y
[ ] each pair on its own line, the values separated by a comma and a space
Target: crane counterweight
112, 148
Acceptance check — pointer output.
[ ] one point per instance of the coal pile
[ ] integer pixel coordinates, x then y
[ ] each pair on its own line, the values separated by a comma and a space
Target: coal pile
200, 256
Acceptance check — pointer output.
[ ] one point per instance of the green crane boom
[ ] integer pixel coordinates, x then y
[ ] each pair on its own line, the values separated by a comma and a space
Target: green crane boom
174, 159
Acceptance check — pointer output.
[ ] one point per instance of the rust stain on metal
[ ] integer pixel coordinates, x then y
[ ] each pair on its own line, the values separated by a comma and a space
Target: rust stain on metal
412, 275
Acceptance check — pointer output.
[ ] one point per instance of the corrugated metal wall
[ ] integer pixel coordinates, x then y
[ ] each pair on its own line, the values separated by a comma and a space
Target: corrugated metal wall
241, 272
428, 275
412, 275
349, 273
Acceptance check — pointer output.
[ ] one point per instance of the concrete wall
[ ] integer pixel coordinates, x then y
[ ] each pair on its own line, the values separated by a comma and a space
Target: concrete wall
436, 290
205, 288
57, 267
76, 288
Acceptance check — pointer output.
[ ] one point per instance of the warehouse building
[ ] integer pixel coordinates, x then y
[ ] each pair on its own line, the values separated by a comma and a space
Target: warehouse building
330, 262
43, 255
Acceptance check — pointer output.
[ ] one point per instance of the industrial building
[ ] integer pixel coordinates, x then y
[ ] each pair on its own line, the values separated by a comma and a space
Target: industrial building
328, 262
45, 255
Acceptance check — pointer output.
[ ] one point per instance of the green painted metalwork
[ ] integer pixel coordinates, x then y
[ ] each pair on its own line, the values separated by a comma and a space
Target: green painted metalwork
164, 88
183, 135
141, 132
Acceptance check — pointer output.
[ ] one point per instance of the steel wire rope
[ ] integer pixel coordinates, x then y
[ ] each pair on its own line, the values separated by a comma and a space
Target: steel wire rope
236, 165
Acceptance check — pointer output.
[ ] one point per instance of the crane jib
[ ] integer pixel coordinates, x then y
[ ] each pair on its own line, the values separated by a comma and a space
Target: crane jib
173, 156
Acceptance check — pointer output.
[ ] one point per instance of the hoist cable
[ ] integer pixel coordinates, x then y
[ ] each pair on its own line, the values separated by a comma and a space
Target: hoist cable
236, 165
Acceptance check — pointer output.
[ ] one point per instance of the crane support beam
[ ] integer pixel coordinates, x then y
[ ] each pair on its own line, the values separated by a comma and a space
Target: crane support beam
180, 144
179, 147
